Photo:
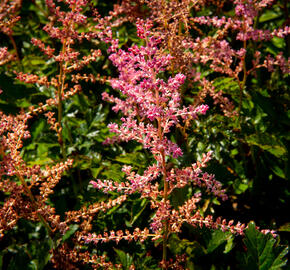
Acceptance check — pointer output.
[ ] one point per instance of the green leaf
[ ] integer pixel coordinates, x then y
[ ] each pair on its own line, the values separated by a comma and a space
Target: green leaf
37, 129
240, 186
263, 252
95, 171
285, 227
114, 172
135, 158
21, 260
278, 171
143, 204
179, 196
279, 42
269, 15
72, 229
268, 143
218, 238
125, 259
179, 246
82, 102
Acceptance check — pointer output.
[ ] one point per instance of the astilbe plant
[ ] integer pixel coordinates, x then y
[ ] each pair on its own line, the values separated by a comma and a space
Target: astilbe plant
200, 43
27, 188
22, 203
223, 48
151, 84
65, 28
172, 24
151, 110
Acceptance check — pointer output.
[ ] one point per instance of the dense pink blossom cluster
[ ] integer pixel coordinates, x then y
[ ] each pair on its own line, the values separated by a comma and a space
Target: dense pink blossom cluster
148, 97
151, 108
8, 17
5, 56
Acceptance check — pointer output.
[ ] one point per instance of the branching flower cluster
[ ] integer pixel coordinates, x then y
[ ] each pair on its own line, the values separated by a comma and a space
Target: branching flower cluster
152, 109
174, 23
28, 188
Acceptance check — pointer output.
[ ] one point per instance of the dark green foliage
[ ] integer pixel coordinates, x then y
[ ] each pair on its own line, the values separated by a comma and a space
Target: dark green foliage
262, 251
26, 247
251, 158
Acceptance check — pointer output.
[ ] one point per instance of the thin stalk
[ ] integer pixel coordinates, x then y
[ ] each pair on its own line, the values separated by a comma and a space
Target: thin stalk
33, 201
31, 197
15, 49
165, 24
164, 172
59, 111
60, 90
165, 196
44, 12
242, 83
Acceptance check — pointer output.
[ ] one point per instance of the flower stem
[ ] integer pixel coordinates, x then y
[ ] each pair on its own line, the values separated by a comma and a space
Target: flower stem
60, 90
59, 111
165, 195
33, 201
242, 84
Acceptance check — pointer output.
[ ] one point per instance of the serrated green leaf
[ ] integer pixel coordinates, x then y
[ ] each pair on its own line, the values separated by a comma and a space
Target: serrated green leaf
218, 238
37, 129
177, 245
114, 172
125, 259
135, 158
230, 244
263, 252
95, 171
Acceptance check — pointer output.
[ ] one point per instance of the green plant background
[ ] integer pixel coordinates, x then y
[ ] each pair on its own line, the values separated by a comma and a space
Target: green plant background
251, 158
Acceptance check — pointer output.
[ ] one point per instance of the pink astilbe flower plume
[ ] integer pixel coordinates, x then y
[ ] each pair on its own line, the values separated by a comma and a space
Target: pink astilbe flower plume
148, 98
152, 107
